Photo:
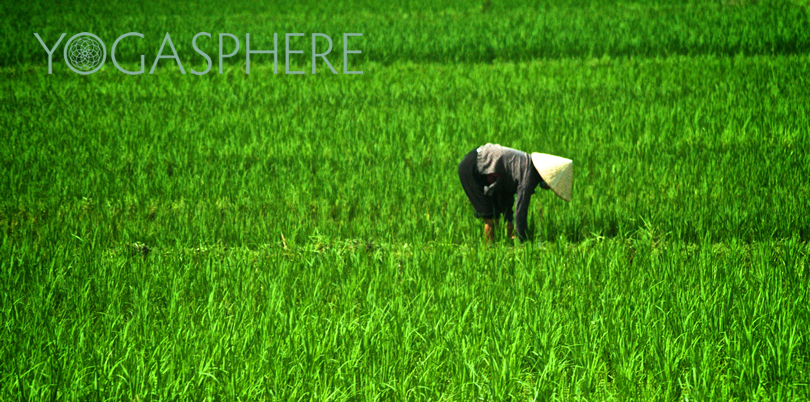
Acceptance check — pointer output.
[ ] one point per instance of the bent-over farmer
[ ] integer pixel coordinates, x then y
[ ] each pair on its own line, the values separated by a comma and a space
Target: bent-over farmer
493, 175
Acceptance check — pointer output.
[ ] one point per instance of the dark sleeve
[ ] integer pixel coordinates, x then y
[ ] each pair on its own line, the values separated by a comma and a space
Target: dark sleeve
524, 196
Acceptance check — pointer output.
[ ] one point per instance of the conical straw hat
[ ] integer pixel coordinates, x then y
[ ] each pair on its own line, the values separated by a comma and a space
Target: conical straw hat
557, 172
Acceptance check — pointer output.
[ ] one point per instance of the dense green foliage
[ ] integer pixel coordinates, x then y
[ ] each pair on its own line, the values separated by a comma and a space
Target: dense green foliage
423, 31
281, 237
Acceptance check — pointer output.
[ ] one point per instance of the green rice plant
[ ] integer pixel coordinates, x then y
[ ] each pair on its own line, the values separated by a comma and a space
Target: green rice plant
279, 237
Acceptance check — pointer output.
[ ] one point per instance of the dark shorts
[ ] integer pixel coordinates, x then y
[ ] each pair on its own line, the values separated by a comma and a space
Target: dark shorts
474, 183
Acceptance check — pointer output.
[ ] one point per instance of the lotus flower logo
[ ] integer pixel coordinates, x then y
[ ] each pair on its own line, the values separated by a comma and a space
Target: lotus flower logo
85, 53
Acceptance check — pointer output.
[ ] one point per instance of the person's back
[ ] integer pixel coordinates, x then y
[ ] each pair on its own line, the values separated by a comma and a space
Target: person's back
510, 165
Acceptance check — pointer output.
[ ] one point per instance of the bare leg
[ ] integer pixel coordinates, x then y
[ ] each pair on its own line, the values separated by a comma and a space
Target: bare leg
489, 229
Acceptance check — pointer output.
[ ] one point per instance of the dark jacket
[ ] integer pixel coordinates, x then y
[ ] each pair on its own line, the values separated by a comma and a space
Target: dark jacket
516, 177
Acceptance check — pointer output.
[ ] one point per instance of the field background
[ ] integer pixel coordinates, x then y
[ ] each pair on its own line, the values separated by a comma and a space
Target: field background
304, 237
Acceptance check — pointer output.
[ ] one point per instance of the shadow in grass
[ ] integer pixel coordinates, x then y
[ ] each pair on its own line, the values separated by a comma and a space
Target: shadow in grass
688, 231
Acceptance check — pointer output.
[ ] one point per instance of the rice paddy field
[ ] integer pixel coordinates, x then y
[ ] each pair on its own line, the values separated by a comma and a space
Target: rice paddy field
300, 237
